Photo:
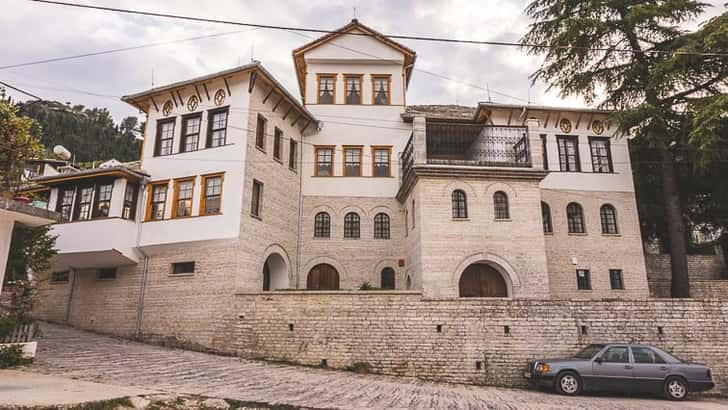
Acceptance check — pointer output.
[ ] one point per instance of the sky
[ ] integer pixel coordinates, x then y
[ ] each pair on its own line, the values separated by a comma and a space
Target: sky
35, 31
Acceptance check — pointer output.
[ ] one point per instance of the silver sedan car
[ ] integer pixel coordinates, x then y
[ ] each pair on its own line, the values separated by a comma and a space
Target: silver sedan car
621, 368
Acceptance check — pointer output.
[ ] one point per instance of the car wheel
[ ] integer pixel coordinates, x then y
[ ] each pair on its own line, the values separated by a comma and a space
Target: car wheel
676, 388
568, 383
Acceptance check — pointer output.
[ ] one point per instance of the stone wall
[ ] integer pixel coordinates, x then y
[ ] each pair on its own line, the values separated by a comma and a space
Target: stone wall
702, 269
468, 341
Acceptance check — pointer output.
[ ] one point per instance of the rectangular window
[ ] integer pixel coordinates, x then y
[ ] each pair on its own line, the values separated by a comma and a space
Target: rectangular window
381, 93
157, 201
60, 277
352, 87
256, 198
84, 203
106, 274
615, 278
277, 141
65, 203
569, 153
601, 155
190, 133
217, 127
352, 161
324, 161
544, 152
326, 88
182, 203
183, 267
130, 201
583, 282
382, 161
292, 154
165, 136
211, 195
260, 132
103, 200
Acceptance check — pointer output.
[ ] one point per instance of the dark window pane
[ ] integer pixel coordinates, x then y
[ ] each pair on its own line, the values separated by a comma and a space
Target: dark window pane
260, 132
322, 225
615, 279
184, 198
387, 278
583, 281
382, 162
256, 198
60, 277
352, 165
381, 226
459, 205
159, 199
575, 218
324, 162
601, 155
381, 90
326, 90
106, 273
618, 354
213, 195
130, 201
353, 90
500, 205
569, 154
292, 154
190, 133
546, 218
608, 216
165, 136
351, 225
183, 267
277, 140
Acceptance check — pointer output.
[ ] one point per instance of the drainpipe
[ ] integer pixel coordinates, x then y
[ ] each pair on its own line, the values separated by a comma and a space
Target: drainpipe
300, 211
145, 268
70, 294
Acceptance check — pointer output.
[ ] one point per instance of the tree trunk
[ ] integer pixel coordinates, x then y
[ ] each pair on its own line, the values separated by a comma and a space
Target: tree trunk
675, 227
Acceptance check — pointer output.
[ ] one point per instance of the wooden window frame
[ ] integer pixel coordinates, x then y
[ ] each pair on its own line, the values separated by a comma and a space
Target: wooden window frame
608, 142
347, 148
131, 205
361, 88
259, 203
318, 87
150, 197
184, 134
97, 201
564, 166
158, 137
78, 203
316, 150
210, 115
278, 144
175, 196
261, 134
374, 150
388, 77
60, 204
292, 155
203, 192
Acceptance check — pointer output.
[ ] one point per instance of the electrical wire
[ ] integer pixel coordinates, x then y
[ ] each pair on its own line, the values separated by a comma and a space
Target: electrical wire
21, 91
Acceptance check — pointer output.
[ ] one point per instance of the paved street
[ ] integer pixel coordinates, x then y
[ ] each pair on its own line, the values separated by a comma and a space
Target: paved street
72, 353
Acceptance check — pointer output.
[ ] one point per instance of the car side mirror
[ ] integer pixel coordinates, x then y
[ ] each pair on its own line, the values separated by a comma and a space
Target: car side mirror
598, 360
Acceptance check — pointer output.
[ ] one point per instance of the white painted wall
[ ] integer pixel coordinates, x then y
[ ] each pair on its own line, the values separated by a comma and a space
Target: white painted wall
97, 235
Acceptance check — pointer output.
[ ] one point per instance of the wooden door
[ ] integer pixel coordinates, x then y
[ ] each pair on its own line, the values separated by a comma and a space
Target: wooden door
323, 277
482, 281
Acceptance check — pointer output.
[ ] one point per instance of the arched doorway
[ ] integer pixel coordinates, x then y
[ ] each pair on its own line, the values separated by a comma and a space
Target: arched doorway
481, 280
387, 278
323, 277
275, 273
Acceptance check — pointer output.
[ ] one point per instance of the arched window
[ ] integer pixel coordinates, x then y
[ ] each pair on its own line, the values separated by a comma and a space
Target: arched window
459, 204
546, 218
387, 278
575, 218
609, 219
408, 282
500, 205
351, 225
381, 226
322, 225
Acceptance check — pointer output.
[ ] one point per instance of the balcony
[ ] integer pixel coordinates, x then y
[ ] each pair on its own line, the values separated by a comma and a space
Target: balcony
96, 243
460, 148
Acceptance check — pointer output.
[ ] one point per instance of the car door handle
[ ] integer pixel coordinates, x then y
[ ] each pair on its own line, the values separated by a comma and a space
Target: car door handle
627, 366
663, 367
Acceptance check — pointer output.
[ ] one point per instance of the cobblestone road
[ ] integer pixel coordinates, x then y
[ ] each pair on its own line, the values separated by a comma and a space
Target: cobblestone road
72, 353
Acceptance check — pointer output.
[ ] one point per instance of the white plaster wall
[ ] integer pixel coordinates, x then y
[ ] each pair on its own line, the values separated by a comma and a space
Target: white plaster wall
228, 159
96, 235
355, 47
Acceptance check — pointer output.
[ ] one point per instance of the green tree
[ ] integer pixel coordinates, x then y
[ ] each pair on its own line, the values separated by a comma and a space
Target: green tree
17, 145
626, 55
30, 250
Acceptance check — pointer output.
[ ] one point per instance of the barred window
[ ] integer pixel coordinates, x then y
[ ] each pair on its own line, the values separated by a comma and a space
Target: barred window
218, 128
546, 218
608, 216
351, 225
191, 132
500, 205
575, 218
601, 154
459, 204
381, 226
615, 279
322, 225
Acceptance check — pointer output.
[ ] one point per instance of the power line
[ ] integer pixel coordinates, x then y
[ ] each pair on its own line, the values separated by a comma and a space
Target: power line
394, 36
97, 53
21, 91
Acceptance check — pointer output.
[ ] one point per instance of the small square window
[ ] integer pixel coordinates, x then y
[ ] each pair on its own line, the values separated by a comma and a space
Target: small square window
106, 274
583, 281
615, 278
60, 277
183, 267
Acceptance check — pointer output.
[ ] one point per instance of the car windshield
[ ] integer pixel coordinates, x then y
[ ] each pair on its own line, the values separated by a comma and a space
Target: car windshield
589, 352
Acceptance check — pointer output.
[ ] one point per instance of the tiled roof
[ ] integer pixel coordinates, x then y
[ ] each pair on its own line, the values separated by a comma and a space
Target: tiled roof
450, 112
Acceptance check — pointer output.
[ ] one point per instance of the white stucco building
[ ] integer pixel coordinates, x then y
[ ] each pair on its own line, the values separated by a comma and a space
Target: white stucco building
242, 187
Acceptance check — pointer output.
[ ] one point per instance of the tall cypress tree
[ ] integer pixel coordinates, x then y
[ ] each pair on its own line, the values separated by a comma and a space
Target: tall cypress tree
630, 56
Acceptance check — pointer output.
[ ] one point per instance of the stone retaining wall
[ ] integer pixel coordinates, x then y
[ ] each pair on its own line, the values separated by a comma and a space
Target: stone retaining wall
467, 341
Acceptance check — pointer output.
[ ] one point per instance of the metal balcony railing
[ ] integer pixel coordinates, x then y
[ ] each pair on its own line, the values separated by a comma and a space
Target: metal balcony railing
477, 145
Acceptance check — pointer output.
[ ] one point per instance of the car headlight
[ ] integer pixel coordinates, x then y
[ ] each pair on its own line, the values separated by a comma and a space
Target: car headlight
543, 368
